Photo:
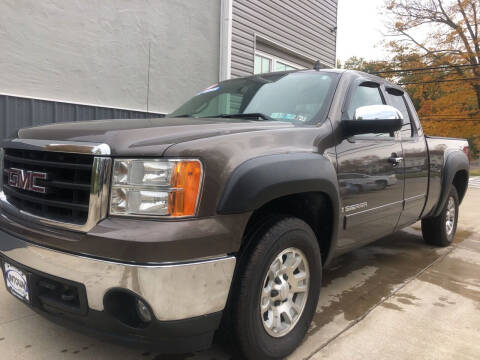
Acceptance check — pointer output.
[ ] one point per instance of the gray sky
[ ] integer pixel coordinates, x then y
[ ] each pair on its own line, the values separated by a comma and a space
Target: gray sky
359, 29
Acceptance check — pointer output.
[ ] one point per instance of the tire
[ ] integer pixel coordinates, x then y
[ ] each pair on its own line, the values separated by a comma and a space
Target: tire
440, 230
254, 330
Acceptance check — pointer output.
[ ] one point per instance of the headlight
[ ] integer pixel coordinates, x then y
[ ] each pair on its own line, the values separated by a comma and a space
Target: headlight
155, 187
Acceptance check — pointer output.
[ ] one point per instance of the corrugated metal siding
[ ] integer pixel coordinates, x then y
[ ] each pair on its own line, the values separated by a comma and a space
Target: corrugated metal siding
304, 26
17, 112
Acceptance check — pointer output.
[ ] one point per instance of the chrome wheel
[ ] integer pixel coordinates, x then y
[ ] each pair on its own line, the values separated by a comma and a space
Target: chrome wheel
450, 216
285, 292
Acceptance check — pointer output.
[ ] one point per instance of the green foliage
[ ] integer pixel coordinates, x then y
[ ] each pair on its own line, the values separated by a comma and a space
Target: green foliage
368, 66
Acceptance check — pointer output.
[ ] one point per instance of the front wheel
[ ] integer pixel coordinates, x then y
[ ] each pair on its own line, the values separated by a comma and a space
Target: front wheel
277, 290
440, 230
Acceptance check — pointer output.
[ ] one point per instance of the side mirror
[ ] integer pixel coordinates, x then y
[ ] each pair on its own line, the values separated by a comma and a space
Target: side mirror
374, 119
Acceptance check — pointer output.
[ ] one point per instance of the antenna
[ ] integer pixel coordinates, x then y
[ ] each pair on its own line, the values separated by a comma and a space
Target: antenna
148, 73
317, 66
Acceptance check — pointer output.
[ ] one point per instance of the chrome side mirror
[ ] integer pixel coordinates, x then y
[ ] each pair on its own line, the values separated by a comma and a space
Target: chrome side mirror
377, 112
374, 119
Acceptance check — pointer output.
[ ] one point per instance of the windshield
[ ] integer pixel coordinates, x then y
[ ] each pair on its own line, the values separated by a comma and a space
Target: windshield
298, 97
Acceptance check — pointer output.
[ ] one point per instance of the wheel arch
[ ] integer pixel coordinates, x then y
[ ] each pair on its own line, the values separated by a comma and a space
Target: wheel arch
455, 172
297, 184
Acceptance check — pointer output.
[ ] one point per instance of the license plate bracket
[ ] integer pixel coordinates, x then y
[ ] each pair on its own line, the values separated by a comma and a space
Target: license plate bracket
16, 281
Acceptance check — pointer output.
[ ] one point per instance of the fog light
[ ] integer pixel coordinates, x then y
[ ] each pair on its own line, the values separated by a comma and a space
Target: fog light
143, 311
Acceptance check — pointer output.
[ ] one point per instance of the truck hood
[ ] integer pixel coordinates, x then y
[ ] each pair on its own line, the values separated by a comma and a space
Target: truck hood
128, 137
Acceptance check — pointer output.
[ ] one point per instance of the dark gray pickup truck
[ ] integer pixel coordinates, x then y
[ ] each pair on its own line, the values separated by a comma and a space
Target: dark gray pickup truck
222, 215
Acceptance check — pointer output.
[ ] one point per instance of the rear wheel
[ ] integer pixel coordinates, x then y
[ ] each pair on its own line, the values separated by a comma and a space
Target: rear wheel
440, 230
276, 292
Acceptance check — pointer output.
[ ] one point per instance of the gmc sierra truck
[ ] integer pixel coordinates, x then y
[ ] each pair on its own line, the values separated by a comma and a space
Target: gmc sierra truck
158, 231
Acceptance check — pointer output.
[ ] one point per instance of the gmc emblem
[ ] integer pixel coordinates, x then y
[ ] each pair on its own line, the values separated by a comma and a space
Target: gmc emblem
26, 180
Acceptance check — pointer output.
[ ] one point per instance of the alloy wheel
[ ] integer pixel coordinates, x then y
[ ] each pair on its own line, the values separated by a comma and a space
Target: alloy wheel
285, 292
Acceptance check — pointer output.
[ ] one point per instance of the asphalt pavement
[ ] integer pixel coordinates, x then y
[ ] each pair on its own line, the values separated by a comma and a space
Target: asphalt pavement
397, 298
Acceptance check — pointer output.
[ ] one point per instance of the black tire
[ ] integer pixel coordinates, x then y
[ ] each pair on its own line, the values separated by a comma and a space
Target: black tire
435, 231
252, 338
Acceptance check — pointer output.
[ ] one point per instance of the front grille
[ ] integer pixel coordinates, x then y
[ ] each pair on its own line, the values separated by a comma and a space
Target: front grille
67, 185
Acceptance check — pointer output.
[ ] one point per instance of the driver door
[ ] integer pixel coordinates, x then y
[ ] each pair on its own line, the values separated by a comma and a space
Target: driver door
370, 175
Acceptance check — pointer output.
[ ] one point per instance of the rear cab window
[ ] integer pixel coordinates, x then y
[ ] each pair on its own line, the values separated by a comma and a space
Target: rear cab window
396, 98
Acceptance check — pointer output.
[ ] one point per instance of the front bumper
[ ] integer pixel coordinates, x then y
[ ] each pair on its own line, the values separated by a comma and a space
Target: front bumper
179, 295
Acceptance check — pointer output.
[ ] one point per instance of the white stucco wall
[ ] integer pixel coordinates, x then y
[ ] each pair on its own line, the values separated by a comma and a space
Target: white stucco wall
96, 51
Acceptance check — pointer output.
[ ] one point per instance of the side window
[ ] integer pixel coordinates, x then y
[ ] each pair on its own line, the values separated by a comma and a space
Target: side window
416, 126
397, 100
365, 96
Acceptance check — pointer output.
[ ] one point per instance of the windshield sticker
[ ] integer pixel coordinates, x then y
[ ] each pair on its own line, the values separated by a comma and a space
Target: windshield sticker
209, 89
277, 115
289, 117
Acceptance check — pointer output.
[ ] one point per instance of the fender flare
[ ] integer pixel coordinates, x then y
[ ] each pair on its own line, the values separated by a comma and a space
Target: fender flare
456, 161
260, 180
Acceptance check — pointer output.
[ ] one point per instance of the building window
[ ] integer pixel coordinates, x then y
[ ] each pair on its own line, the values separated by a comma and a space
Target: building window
280, 66
265, 63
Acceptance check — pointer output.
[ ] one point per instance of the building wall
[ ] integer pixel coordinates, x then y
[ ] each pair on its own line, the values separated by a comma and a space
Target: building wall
70, 60
18, 112
97, 52
304, 31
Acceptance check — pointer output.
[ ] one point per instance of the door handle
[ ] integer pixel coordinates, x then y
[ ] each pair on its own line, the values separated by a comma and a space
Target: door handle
395, 161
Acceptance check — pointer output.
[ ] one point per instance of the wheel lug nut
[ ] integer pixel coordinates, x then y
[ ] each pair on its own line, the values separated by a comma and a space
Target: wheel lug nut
277, 303
278, 281
274, 293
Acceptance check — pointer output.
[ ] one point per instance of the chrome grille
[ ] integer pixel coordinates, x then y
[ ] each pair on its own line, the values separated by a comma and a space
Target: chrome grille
67, 185
76, 184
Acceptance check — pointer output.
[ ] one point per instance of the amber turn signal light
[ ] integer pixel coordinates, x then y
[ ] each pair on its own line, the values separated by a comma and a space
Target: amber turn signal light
186, 181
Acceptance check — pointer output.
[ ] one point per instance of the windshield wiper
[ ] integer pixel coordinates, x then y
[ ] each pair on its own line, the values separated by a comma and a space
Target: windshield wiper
245, 116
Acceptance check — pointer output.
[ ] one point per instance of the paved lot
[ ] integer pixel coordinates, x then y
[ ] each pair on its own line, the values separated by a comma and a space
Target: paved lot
475, 182
397, 298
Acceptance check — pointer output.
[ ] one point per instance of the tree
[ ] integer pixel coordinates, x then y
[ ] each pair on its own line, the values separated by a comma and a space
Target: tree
444, 110
453, 34
473, 148
368, 66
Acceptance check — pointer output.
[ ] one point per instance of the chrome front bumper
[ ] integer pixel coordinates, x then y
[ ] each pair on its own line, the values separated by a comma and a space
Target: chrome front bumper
174, 292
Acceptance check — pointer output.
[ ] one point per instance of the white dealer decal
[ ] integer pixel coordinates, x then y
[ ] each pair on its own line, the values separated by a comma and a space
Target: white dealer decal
16, 281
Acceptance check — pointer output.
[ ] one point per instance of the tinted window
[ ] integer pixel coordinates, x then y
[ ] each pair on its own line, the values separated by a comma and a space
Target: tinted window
397, 100
364, 96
